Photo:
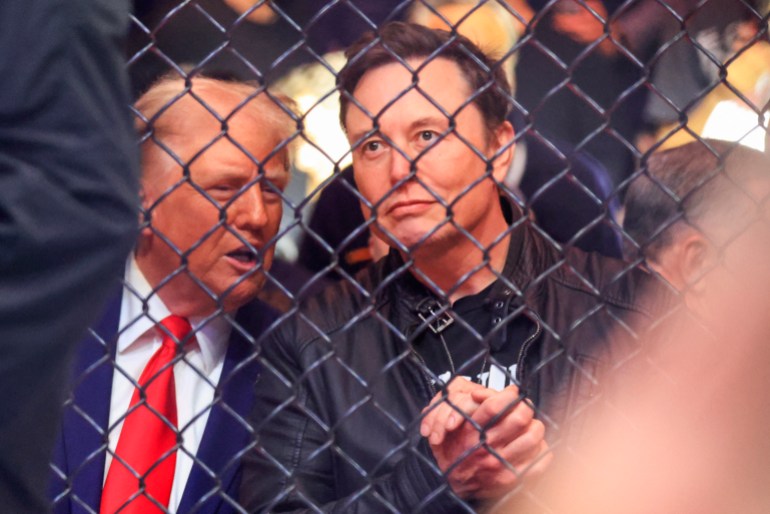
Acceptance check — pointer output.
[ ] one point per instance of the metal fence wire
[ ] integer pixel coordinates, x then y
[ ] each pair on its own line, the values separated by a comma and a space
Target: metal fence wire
446, 284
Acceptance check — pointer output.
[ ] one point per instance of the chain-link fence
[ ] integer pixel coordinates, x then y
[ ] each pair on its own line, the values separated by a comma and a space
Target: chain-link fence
518, 193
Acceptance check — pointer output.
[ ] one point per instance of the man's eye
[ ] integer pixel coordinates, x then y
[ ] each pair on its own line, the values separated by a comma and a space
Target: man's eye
427, 135
372, 146
269, 188
222, 188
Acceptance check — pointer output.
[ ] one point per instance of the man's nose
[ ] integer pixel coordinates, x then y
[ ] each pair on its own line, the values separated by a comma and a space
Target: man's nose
248, 212
400, 165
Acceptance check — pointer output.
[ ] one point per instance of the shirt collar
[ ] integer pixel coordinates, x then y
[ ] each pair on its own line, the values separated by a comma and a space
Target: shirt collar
212, 335
141, 310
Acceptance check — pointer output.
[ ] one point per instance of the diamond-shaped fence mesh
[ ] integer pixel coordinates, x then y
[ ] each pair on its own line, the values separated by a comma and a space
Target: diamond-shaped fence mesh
419, 264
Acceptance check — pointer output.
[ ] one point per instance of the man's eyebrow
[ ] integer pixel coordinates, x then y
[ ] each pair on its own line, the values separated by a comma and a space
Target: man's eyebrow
223, 171
360, 134
275, 172
428, 121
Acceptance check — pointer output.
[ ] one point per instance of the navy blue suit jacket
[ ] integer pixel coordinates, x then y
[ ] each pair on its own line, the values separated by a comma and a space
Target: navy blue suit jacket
79, 457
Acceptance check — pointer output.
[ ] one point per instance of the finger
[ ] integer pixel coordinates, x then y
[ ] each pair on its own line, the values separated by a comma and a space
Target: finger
433, 402
525, 449
455, 454
437, 413
466, 396
494, 476
498, 405
523, 459
462, 385
540, 463
457, 392
502, 473
439, 399
429, 414
450, 416
481, 395
509, 425
456, 385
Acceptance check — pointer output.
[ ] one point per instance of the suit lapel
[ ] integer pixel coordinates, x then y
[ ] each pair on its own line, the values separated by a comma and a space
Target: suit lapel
227, 435
85, 420
82, 449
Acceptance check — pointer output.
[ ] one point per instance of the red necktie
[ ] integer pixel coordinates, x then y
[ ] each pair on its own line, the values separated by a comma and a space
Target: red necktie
142, 470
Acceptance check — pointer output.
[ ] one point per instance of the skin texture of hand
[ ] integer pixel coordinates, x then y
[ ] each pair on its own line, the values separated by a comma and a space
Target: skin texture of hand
484, 439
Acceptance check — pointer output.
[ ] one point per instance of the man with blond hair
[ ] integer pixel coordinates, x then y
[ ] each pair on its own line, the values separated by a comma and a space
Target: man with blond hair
154, 424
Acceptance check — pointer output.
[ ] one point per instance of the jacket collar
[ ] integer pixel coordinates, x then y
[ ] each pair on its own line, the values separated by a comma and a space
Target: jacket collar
518, 282
516, 271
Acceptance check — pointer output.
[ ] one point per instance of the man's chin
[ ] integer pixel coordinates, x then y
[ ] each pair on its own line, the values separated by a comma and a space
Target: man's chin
411, 239
243, 293
434, 242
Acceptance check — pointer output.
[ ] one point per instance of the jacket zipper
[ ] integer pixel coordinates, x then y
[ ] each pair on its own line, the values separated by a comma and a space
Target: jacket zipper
421, 364
523, 352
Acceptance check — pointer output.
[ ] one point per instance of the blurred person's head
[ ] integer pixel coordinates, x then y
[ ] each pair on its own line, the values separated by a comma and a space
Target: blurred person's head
690, 410
697, 207
425, 113
215, 160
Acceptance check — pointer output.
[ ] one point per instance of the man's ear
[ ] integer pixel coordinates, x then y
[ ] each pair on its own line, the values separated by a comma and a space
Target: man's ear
502, 145
144, 216
698, 258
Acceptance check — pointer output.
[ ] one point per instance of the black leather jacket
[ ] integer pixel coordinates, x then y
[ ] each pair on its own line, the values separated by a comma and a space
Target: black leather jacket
340, 396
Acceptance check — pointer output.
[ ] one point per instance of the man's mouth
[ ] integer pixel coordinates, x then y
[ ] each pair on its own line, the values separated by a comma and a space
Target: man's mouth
408, 207
243, 255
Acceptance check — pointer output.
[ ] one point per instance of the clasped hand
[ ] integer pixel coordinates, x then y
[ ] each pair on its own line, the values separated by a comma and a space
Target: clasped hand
484, 440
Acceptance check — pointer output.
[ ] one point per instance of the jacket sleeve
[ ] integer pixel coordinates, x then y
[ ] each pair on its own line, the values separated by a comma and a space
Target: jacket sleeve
68, 215
291, 467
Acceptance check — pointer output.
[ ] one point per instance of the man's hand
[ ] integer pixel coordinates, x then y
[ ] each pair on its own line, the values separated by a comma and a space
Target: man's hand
450, 408
484, 440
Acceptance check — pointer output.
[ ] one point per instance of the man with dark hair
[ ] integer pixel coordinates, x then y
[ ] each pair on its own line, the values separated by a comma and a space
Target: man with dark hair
442, 375
689, 203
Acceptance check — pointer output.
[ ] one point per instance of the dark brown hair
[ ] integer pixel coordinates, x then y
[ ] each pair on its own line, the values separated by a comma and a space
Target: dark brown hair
398, 41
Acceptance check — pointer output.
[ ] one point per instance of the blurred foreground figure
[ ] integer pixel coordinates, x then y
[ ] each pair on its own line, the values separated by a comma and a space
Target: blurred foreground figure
163, 382
441, 376
68, 191
687, 432
688, 204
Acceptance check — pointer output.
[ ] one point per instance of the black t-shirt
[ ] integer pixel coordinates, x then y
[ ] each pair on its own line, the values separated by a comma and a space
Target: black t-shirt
482, 343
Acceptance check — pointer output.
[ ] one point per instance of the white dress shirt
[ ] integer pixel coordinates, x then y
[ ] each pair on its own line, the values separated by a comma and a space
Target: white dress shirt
195, 376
